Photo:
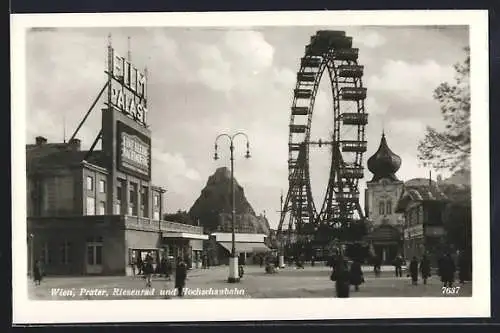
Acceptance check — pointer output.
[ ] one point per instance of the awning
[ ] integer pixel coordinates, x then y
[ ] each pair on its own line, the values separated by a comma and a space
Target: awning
184, 235
246, 247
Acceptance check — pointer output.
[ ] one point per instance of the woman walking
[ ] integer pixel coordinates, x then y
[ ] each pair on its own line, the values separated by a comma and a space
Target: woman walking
148, 270
356, 275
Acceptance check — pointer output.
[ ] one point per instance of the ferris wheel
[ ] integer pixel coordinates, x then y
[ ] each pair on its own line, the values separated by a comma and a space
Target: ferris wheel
329, 52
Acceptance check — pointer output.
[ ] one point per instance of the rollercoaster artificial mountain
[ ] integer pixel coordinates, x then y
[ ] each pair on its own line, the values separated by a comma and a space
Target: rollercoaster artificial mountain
340, 218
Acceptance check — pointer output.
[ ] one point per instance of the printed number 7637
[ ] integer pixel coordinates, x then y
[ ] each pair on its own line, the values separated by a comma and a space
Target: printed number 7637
450, 290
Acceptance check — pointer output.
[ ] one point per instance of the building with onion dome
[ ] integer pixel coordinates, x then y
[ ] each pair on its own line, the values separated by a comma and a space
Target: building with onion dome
383, 191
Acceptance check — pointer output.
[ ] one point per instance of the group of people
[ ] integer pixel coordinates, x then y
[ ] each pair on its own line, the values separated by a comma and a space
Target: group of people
164, 268
346, 275
446, 269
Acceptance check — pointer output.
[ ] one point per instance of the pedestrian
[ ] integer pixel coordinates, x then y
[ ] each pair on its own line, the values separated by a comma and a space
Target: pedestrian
204, 261
261, 259
163, 266
377, 266
340, 274
168, 269
148, 269
398, 266
425, 268
312, 261
414, 270
180, 277
37, 273
356, 274
463, 267
139, 265
133, 265
447, 270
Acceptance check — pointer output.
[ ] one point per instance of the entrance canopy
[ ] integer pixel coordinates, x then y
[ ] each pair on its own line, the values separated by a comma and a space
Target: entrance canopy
184, 235
246, 247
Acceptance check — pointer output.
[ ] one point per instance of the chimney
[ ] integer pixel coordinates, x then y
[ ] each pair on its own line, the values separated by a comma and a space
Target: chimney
40, 140
74, 144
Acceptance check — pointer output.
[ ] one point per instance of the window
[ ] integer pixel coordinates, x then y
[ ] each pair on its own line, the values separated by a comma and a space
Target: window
102, 208
90, 206
94, 254
119, 193
102, 186
46, 255
94, 250
90, 183
145, 201
132, 206
65, 253
156, 201
381, 208
388, 208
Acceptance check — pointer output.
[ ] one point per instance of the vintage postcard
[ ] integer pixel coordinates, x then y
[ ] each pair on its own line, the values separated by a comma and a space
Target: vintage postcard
250, 166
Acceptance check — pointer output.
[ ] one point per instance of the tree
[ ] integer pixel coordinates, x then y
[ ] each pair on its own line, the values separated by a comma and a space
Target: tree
179, 217
450, 148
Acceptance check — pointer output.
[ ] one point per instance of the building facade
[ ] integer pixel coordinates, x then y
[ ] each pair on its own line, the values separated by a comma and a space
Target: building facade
381, 196
97, 211
422, 203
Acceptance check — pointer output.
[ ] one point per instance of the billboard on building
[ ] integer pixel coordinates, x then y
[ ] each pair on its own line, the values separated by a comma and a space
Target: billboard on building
133, 152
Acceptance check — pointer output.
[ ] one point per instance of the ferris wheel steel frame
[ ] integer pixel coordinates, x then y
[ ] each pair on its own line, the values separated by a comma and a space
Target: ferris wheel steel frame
329, 51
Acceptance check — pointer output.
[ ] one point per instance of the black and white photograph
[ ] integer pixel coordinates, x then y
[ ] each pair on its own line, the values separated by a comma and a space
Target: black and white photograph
275, 166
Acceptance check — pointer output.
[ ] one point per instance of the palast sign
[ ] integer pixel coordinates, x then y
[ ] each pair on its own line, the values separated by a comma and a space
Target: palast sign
127, 88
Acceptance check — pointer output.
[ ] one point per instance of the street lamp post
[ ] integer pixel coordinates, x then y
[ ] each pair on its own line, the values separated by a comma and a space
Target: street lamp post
233, 260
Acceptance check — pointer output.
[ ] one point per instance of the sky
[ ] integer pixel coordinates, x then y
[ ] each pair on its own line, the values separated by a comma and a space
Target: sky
207, 81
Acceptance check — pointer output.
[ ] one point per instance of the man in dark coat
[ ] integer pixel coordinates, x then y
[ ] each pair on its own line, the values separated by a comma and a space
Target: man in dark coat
377, 265
356, 275
414, 270
447, 270
425, 268
340, 275
463, 267
398, 266
180, 277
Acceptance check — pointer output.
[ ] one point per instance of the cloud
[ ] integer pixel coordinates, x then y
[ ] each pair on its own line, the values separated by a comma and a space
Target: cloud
369, 39
410, 80
250, 46
173, 165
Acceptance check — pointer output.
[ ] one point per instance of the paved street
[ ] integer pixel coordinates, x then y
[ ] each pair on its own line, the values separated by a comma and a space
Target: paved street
288, 282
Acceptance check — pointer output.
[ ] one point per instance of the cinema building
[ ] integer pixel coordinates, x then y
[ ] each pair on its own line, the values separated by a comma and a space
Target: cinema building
95, 211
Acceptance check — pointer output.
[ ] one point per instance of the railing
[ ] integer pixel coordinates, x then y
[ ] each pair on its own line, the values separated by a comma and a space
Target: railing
179, 227
147, 224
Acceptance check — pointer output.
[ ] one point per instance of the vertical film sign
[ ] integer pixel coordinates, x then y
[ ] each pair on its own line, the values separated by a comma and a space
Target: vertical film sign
127, 87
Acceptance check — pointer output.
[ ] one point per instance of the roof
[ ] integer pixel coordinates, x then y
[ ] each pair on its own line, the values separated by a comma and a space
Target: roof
62, 158
420, 189
384, 163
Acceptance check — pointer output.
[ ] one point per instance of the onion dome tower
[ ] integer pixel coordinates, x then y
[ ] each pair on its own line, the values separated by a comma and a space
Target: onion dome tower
384, 163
